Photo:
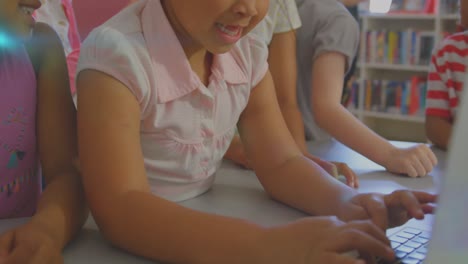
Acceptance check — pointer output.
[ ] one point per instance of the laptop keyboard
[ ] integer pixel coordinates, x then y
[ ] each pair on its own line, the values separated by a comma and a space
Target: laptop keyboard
410, 246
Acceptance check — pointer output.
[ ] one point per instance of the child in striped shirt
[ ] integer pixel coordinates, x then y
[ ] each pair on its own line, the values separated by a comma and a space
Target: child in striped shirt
445, 83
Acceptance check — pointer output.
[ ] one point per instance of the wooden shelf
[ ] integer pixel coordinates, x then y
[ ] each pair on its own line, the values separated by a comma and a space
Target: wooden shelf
449, 17
395, 67
416, 119
400, 16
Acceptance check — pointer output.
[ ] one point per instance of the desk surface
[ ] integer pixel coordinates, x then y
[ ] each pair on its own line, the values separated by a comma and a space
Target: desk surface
238, 193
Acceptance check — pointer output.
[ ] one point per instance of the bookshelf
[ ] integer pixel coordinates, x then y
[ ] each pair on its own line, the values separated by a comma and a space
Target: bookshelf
401, 60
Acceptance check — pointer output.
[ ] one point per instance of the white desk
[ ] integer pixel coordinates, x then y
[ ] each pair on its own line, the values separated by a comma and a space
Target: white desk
237, 193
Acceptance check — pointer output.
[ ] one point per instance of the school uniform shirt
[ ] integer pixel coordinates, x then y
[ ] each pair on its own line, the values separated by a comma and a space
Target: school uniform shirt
282, 17
447, 76
19, 174
326, 27
186, 127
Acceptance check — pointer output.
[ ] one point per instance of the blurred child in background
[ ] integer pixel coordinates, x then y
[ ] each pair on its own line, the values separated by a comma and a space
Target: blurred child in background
446, 81
37, 138
278, 31
326, 46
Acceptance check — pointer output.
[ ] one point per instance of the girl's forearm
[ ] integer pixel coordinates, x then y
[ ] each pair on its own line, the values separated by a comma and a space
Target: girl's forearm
293, 118
346, 128
62, 208
302, 184
168, 232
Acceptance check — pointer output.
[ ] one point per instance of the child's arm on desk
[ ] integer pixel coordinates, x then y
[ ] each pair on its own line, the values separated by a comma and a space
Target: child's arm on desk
282, 65
327, 82
119, 195
141, 223
291, 178
61, 210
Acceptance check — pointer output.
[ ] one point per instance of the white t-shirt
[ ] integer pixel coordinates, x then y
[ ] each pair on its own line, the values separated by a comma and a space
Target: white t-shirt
282, 17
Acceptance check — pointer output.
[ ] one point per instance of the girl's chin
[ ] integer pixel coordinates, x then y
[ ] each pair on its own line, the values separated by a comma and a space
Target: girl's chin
25, 34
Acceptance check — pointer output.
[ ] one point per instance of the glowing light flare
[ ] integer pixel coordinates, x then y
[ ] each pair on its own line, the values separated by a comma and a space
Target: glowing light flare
5, 40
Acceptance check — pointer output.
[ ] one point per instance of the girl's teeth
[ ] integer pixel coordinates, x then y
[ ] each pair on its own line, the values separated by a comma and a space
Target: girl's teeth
224, 29
27, 10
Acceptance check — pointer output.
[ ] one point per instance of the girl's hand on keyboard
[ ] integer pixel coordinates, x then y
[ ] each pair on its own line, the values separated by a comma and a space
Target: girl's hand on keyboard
390, 210
404, 205
325, 240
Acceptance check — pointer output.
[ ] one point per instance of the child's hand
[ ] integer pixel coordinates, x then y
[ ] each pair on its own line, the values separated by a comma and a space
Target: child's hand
29, 244
416, 161
337, 168
324, 240
391, 210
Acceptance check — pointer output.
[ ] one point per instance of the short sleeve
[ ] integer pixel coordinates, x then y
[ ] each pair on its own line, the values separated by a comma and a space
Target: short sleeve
258, 60
437, 96
287, 18
111, 52
337, 33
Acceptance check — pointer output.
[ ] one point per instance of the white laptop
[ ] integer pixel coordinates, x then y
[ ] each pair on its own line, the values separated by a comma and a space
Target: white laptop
445, 241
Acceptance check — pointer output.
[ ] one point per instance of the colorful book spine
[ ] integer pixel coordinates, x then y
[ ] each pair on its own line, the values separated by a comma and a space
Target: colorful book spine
407, 47
396, 97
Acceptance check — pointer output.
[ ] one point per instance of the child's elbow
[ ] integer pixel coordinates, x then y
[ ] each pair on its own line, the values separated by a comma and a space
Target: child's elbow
321, 112
108, 222
435, 133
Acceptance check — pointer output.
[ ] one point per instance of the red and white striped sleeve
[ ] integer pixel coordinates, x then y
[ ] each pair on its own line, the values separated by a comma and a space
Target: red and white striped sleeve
446, 76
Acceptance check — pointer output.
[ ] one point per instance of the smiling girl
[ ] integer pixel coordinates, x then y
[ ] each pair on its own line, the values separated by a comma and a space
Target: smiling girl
161, 87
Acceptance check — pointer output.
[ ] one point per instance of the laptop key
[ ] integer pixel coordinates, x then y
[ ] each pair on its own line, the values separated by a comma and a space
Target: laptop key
412, 244
412, 231
394, 244
417, 255
400, 254
405, 249
398, 239
425, 234
420, 240
409, 260
405, 235
422, 250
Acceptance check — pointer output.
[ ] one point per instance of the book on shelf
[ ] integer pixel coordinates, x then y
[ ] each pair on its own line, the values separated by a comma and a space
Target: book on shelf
390, 96
407, 47
413, 6
426, 45
350, 98
448, 7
